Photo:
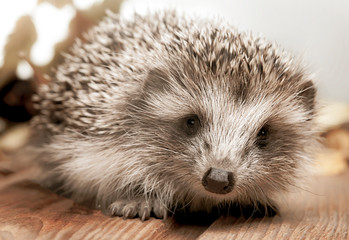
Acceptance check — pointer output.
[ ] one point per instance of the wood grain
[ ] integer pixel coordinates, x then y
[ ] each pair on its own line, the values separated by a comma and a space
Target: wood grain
28, 211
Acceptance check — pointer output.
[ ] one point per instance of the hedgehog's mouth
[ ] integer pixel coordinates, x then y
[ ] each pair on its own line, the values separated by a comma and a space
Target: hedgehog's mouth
218, 181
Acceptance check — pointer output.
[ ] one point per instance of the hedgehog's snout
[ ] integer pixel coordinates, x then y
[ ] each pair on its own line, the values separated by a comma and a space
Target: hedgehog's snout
218, 181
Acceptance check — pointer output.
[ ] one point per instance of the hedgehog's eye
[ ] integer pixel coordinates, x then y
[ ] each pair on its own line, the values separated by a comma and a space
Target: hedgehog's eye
263, 136
191, 124
263, 133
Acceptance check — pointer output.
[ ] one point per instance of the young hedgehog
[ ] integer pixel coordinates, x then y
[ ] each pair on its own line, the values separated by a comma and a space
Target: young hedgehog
162, 113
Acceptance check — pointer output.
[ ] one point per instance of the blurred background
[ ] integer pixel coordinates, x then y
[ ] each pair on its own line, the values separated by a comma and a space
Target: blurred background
33, 33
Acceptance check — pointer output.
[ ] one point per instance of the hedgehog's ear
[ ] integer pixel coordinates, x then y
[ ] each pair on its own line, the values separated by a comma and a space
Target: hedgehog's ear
307, 94
156, 81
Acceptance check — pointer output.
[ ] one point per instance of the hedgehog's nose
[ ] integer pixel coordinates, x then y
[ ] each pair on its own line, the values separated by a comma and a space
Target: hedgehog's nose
218, 181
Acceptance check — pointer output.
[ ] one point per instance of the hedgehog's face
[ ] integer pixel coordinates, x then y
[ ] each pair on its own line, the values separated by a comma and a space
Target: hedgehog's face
222, 138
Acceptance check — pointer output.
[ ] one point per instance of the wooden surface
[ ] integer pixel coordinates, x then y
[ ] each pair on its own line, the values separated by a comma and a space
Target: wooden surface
28, 211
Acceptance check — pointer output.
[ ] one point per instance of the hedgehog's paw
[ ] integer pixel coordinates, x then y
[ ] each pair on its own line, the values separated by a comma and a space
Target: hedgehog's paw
124, 208
160, 210
152, 207
141, 208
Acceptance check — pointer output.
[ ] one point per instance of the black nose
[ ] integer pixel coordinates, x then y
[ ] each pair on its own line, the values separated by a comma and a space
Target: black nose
218, 181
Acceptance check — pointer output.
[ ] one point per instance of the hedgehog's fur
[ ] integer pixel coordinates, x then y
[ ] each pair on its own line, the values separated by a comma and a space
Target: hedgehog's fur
109, 126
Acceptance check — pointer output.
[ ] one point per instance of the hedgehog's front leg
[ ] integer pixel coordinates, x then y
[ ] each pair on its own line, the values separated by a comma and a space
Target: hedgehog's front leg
139, 207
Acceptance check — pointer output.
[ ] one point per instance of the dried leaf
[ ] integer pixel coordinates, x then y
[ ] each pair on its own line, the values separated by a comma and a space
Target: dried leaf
21, 40
97, 11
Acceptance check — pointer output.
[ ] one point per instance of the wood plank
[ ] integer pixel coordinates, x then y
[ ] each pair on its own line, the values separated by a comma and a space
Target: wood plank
28, 211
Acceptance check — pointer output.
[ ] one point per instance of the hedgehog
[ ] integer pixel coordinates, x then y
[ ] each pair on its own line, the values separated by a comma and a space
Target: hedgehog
166, 113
